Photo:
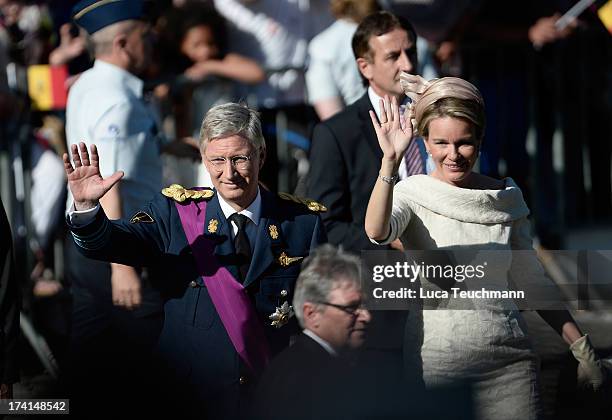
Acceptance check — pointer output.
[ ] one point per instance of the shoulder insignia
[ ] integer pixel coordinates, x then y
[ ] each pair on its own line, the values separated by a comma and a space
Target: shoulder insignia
141, 217
311, 204
180, 194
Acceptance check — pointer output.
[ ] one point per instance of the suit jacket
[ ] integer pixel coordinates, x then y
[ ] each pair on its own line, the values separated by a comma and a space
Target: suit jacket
344, 164
345, 160
305, 382
9, 305
204, 369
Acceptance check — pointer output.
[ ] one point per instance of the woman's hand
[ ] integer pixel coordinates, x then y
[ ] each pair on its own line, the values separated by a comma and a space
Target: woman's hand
394, 132
591, 372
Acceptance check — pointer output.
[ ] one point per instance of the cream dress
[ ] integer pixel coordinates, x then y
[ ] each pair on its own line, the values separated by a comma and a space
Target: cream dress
488, 344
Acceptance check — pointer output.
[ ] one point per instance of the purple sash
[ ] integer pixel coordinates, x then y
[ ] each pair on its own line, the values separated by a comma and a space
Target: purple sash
229, 297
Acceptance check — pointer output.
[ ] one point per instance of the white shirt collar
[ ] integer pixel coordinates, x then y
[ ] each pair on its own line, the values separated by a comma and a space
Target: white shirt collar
375, 101
253, 211
131, 82
328, 348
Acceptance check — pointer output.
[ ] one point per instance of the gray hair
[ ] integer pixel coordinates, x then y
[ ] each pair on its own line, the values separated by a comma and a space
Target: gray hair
323, 271
232, 119
102, 40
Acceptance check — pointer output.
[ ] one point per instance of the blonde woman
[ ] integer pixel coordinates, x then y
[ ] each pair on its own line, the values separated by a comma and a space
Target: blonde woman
457, 208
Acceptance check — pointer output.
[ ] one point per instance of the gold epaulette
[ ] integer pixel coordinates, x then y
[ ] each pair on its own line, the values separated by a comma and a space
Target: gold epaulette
311, 204
180, 194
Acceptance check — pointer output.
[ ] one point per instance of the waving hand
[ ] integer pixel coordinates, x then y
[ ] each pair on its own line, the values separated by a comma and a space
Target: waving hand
84, 179
394, 131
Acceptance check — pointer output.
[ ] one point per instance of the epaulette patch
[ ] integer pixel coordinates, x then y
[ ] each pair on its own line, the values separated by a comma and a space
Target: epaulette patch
142, 217
311, 204
180, 194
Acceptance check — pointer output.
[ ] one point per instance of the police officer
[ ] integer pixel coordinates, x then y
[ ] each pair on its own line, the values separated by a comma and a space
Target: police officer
229, 259
116, 315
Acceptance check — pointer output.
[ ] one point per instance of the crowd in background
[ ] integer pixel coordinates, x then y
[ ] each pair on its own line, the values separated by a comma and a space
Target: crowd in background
547, 94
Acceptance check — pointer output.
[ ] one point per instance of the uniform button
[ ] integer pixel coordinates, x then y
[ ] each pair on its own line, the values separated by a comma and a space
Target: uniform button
193, 284
242, 380
283, 293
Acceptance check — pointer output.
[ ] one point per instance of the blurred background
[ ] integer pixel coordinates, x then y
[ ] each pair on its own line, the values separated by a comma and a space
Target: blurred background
546, 83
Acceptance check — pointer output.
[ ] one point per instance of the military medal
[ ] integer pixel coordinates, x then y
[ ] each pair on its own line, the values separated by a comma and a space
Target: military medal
285, 260
212, 226
281, 315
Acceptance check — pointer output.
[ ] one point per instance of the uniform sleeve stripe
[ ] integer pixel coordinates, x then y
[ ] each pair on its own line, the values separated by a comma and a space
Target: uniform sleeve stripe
95, 240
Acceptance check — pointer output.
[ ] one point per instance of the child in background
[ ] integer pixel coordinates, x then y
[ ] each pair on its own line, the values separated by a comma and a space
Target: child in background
204, 73
210, 72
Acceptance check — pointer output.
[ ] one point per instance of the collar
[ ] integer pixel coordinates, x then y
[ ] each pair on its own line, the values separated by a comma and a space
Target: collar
131, 82
328, 348
375, 101
253, 211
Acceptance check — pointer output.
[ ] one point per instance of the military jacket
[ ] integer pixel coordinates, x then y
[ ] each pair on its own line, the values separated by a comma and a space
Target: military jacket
193, 341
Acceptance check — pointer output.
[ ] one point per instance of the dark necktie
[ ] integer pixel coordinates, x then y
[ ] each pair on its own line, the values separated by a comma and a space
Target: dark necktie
241, 244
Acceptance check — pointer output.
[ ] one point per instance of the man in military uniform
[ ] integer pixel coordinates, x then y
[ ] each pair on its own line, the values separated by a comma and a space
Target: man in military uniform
117, 315
229, 258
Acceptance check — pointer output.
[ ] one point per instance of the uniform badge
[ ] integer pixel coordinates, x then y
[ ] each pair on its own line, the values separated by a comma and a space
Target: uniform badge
141, 217
281, 315
213, 225
285, 260
273, 232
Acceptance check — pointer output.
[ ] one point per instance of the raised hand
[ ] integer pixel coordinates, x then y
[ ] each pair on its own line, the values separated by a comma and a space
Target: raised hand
394, 132
84, 179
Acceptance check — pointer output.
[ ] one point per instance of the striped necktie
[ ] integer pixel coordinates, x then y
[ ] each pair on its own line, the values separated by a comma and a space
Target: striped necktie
412, 158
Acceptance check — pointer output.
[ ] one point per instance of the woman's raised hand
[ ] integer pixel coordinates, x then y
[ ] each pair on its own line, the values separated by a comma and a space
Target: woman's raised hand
84, 179
394, 131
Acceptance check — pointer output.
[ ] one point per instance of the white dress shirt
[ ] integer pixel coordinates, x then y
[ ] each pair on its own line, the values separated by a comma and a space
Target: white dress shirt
253, 211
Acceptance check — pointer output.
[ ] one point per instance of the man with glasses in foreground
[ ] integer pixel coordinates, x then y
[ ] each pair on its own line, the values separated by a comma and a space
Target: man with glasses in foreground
229, 259
312, 378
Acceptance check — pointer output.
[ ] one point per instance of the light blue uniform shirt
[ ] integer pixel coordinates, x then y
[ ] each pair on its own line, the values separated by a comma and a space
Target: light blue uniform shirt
105, 107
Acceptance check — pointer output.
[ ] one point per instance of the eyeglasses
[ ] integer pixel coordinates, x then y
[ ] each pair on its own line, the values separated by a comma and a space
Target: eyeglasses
349, 309
239, 162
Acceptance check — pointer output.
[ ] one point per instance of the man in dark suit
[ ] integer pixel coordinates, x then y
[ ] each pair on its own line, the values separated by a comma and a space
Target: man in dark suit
312, 378
226, 260
345, 154
345, 159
